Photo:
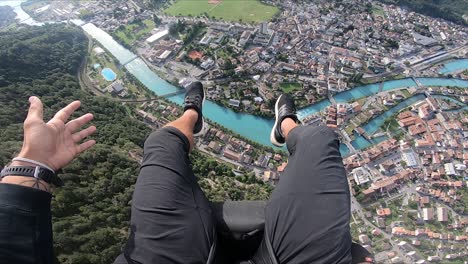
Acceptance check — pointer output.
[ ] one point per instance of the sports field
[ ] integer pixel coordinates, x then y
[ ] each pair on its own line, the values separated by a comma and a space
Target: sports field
229, 10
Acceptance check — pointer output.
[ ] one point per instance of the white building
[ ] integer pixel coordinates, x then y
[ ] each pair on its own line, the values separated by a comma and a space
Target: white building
450, 169
207, 64
428, 214
409, 157
442, 214
361, 175
98, 51
159, 35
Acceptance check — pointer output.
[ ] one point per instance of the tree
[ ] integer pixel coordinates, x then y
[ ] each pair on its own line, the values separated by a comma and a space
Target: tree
157, 20
403, 164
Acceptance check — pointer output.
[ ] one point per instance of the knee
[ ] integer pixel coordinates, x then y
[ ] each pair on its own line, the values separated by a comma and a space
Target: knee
321, 133
168, 137
153, 137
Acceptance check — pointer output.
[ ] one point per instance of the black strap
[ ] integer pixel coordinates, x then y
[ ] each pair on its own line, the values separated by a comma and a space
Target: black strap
29, 171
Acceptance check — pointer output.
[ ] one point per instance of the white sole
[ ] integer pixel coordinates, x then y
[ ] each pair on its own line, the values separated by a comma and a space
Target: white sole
202, 130
272, 134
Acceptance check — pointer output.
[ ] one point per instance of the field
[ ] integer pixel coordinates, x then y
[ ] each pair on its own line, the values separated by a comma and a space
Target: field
229, 10
290, 87
378, 11
134, 31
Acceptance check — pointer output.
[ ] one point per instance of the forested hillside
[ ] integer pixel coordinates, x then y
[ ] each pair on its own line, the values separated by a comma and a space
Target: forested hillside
452, 10
91, 212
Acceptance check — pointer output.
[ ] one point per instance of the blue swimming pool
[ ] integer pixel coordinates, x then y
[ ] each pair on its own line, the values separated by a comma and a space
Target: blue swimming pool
108, 74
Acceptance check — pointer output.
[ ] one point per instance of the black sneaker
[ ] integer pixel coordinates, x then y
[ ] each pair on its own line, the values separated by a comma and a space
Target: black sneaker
194, 99
284, 108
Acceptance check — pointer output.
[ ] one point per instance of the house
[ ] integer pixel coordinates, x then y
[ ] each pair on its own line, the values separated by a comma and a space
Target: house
207, 64
215, 146
384, 212
244, 38
117, 88
364, 239
98, 51
361, 175
233, 102
230, 154
428, 214
270, 176
442, 214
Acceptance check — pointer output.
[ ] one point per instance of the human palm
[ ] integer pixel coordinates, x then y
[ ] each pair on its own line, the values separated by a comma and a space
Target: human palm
57, 142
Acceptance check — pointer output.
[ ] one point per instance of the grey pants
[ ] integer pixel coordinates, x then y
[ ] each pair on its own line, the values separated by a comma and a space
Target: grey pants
307, 217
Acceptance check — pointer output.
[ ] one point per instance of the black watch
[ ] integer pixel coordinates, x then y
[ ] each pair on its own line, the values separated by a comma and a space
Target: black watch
30, 171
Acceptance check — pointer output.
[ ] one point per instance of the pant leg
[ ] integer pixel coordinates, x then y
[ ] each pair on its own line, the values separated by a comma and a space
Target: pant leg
307, 217
171, 219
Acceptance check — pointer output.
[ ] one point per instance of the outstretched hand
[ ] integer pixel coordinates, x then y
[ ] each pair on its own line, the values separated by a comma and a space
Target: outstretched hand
57, 142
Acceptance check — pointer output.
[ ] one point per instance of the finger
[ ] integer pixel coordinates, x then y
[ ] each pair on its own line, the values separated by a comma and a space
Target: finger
67, 111
86, 145
75, 124
78, 136
36, 112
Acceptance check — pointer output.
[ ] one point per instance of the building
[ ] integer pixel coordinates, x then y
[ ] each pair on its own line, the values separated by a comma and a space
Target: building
117, 88
364, 239
244, 38
409, 157
159, 35
384, 212
361, 175
98, 51
232, 155
205, 40
215, 146
450, 169
207, 64
270, 176
423, 40
442, 214
233, 102
263, 36
428, 214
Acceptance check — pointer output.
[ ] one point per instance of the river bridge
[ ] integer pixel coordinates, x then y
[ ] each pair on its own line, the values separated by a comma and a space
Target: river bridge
129, 60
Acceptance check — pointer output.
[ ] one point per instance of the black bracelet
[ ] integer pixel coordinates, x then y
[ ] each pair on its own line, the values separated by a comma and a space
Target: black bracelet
34, 172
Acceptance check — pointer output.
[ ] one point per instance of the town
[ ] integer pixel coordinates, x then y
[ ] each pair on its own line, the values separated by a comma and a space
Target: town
372, 68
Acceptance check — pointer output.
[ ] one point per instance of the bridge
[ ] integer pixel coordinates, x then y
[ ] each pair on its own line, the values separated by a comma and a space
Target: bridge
381, 85
418, 83
179, 91
130, 60
143, 100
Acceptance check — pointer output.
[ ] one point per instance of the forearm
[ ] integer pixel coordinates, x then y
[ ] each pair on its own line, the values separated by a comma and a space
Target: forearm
25, 223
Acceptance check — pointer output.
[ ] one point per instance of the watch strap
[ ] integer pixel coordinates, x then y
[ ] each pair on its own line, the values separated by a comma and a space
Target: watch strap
35, 172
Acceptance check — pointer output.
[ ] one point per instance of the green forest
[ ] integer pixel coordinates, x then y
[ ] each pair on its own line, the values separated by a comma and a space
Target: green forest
91, 212
453, 10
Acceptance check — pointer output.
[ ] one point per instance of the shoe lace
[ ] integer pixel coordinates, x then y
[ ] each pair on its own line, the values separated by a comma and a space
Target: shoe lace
194, 99
286, 110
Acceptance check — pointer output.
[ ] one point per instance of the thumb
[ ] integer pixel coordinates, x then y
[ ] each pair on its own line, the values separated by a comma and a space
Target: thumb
35, 113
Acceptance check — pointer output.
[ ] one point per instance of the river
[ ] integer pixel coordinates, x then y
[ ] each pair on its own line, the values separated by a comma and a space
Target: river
21, 16
454, 66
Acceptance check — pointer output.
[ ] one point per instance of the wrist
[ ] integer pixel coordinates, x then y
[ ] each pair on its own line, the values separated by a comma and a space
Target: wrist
26, 181
39, 158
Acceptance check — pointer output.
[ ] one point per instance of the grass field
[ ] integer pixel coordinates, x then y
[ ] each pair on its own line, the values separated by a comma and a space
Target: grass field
229, 10
378, 11
290, 87
133, 32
